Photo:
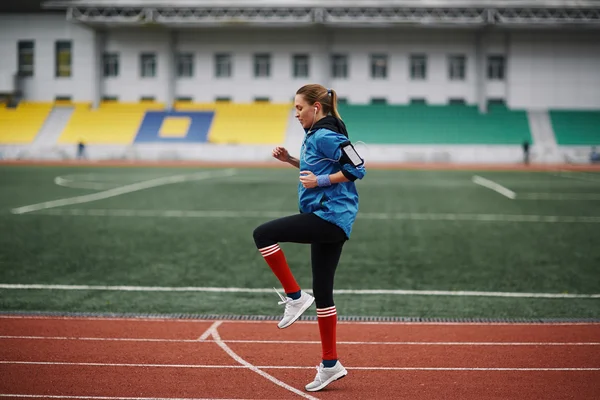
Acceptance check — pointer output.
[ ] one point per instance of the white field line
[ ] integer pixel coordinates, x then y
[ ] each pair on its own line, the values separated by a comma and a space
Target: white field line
70, 183
579, 175
496, 187
208, 333
361, 216
134, 187
215, 335
13, 286
559, 196
247, 365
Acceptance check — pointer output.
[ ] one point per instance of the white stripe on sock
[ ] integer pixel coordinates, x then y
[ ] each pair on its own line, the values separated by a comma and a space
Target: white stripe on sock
268, 253
268, 247
321, 310
331, 314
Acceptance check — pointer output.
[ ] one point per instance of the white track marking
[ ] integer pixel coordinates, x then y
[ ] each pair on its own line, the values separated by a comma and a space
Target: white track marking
496, 187
208, 333
215, 334
258, 369
134, 187
361, 216
13, 286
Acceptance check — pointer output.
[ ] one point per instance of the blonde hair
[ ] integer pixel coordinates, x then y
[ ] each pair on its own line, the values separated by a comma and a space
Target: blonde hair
315, 92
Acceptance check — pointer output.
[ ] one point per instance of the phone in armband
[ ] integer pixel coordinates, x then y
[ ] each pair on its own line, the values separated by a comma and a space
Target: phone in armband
352, 155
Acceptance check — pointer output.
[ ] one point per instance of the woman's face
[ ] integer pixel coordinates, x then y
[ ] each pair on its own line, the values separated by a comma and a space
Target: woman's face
304, 111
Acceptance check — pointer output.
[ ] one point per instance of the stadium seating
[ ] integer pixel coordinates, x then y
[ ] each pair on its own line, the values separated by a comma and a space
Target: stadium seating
576, 127
252, 123
424, 124
21, 125
111, 123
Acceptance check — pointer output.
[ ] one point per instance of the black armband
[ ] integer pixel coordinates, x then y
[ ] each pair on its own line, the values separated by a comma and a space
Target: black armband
350, 156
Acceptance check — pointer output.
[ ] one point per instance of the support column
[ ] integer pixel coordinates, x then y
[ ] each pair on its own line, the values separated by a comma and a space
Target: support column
97, 68
480, 71
171, 70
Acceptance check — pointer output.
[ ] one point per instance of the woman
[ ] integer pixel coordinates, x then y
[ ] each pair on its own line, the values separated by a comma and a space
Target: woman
328, 203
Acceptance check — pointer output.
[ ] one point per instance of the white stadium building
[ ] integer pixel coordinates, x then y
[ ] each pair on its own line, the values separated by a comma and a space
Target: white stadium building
536, 57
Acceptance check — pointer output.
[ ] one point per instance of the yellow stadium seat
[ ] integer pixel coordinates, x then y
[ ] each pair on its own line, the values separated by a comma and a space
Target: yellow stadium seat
22, 124
253, 123
111, 123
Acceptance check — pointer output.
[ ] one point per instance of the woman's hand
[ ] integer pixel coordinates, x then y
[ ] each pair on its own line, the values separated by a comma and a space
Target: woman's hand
308, 179
281, 154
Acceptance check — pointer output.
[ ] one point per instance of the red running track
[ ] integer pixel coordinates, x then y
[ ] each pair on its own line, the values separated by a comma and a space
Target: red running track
98, 358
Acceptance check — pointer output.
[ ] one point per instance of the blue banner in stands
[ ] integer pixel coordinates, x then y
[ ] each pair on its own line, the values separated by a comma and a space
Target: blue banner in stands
175, 127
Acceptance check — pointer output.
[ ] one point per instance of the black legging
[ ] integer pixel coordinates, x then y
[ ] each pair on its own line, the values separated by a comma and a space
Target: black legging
326, 241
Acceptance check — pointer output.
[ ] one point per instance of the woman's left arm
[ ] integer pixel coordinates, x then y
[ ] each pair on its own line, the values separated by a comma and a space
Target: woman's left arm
310, 180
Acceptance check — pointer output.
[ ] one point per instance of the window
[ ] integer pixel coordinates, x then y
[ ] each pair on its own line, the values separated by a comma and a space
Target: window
147, 65
185, 65
418, 67
300, 66
223, 65
262, 65
110, 63
456, 67
378, 100
496, 65
339, 66
25, 50
379, 66
63, 58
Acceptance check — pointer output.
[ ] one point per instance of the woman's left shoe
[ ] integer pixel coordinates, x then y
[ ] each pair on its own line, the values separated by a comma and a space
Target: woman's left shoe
293, 308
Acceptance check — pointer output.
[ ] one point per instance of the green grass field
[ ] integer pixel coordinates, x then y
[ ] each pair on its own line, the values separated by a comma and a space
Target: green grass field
417, 230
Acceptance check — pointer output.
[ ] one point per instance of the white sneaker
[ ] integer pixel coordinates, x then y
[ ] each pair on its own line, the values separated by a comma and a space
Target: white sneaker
326, 375
293, 308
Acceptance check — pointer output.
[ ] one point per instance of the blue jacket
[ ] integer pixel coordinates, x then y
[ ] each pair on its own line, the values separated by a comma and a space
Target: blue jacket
337, 203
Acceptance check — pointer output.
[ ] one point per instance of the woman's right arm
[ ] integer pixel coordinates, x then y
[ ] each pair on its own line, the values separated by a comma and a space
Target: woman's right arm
282, 154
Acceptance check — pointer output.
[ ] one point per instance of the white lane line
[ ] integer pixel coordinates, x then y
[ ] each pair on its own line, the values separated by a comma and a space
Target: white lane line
208, 332
215, 335
134, 187
91, 212
47, 396
496, 187
163, 319
401, 292
258, 369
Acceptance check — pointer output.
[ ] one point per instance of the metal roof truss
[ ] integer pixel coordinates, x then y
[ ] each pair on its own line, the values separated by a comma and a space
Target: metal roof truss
336, 16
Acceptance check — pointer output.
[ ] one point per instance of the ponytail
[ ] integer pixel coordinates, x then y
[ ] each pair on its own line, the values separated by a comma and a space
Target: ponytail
327, 97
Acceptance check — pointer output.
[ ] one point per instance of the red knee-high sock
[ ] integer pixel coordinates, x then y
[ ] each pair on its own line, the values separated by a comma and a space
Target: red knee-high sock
276, 259
327, 318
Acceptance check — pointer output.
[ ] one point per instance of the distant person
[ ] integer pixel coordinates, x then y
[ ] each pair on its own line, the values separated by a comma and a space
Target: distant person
526, 146
81, 150
594, 156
